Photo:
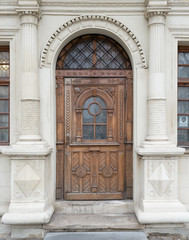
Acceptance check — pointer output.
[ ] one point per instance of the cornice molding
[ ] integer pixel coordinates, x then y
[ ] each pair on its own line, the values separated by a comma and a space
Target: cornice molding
98, 18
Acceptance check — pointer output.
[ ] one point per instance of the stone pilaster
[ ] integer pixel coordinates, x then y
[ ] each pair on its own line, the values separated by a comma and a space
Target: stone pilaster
30, 103
158, 190
157, 133
31, 202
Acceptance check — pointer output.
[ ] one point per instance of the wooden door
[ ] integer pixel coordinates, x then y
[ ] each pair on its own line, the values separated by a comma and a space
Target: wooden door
94, 131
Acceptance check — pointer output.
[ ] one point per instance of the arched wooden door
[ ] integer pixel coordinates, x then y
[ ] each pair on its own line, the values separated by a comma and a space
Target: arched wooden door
94, 120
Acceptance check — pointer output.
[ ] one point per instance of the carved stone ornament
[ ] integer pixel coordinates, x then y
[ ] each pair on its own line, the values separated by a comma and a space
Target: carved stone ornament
150, 12
160, 179
81, 172
36, 12
27, 180
99, 21
107, 171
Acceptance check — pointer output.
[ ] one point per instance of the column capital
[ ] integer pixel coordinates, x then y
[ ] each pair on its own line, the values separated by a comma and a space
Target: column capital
151, 12
29, 13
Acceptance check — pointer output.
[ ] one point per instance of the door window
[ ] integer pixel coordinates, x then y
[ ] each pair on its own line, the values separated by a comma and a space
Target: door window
94, 119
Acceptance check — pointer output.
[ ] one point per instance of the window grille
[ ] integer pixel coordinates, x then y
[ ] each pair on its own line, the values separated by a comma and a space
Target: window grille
93, 52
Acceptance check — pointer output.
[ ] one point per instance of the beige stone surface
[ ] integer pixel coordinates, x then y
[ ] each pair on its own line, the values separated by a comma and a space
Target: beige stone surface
85, 222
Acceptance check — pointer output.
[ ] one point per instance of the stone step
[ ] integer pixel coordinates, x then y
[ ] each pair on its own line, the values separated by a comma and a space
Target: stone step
96, 207
90, 222
96, 236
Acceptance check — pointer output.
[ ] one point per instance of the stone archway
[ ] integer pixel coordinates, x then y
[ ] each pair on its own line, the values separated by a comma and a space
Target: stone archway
89, 23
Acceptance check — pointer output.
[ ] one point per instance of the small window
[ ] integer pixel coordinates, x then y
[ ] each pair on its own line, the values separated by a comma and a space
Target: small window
4, 96
183, 96
94, 119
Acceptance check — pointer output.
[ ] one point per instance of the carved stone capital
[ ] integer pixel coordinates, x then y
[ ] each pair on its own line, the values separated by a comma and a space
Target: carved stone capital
33, 12
150, 12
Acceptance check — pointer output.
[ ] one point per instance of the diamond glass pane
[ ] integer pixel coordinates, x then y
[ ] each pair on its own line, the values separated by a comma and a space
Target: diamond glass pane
183, 72
4, 135
4, 70
100, 132
4, 120
101, 118
93, 52
183, 107
183, 93
87, 102
4, 106
4, 57
102, 103
183, 136
4, 91
87, 118
88, 132
184, 58
109, 56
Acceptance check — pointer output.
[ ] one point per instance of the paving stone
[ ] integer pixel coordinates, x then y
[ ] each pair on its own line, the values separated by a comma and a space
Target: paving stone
96, 236
4, 231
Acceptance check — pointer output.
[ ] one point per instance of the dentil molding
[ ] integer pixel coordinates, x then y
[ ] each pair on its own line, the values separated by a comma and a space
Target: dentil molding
98, 22
36, 12
150, 12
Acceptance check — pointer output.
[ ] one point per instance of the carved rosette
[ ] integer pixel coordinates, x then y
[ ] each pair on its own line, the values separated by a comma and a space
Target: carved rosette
107, 172
81, 172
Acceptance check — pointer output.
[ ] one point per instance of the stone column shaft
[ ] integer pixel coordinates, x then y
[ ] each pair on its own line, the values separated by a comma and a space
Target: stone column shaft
156, 87
30, 89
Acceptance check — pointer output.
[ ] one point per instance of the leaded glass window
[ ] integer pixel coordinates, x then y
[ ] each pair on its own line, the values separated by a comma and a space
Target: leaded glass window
93, 52
94, 119
183, 96
4, 95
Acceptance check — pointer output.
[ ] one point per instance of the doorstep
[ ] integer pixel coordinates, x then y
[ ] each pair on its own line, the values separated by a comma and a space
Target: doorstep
93, 222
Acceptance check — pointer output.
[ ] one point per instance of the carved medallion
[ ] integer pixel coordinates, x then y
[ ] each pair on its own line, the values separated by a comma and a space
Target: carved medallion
81, 172
107, 172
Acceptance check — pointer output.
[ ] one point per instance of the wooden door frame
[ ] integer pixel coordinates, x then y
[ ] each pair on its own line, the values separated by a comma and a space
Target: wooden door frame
60, 124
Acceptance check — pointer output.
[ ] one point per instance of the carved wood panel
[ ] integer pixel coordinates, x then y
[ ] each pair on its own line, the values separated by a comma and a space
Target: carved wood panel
99, 169
96, 172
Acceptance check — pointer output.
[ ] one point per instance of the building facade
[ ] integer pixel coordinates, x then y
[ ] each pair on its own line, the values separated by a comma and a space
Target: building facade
94, 106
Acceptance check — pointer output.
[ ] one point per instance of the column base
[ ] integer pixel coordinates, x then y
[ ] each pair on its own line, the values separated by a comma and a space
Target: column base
31, 201
157, 149
28, 148
30, 138
157, 144
16, 218
161, 212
